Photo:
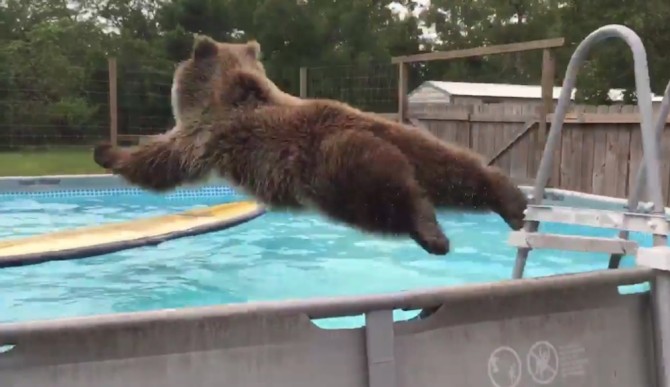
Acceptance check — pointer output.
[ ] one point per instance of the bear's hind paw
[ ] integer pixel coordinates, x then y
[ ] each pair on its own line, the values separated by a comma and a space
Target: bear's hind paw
433, 241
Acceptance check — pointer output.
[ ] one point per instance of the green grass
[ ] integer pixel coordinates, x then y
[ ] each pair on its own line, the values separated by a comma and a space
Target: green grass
67, 161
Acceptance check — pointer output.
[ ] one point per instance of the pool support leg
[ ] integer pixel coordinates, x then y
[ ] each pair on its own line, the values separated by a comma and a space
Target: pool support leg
660, 295
380, 348
658, 258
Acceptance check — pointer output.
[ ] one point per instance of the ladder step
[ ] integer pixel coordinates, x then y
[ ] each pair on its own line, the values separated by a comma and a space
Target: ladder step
636, 222
656, 257
534, 240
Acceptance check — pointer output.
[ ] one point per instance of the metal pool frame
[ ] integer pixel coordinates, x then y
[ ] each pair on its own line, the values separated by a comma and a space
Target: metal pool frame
567, 330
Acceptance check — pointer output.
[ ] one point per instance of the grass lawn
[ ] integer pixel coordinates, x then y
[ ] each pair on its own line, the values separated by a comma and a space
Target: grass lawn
48, 162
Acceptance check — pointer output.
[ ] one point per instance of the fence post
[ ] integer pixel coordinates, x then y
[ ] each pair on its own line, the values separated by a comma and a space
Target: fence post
403, 85
303, 82
11, 112
113, 111
548, 73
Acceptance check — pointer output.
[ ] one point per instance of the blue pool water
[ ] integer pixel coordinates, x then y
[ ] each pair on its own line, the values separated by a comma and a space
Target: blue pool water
278, 256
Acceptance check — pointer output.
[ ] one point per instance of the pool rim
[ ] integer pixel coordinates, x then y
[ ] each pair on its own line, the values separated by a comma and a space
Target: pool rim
45, 184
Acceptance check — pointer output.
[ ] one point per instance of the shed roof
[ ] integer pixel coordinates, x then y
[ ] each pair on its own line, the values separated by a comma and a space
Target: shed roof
502, 90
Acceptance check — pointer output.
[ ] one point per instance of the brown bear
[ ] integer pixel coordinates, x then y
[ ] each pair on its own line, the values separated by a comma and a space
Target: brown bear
355, 167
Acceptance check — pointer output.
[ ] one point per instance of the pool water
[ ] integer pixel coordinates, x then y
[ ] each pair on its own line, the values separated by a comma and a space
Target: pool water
277, 256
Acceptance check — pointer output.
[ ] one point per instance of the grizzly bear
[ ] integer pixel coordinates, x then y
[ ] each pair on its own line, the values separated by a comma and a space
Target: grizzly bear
355, 167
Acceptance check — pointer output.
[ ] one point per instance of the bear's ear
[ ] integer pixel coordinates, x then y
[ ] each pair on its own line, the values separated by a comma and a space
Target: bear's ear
204, 47
254, 49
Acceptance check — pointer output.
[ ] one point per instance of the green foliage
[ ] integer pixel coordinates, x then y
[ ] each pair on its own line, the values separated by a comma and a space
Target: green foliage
53, 56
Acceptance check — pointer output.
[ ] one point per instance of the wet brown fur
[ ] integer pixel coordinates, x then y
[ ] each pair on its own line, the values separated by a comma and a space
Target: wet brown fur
355, 167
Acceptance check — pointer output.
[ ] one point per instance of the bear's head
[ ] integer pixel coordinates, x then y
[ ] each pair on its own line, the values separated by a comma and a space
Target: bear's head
200, 79
222, 74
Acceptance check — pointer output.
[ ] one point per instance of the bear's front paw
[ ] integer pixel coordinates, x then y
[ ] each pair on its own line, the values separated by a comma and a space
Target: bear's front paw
515, 222
514, 210
506, 199
105, 155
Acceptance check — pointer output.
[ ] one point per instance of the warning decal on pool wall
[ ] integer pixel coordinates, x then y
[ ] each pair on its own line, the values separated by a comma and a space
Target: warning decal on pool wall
504, 367
543, 364
573, 360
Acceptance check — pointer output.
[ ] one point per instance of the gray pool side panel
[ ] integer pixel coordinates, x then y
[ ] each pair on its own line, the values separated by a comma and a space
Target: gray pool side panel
568, 330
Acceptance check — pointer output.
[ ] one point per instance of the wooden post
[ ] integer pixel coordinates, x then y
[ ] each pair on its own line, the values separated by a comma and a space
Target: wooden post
402, 91
113, 111
303, 82
471, 110
548, 73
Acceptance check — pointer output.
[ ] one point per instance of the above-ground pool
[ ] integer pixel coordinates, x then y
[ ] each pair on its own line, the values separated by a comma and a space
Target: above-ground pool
277, 256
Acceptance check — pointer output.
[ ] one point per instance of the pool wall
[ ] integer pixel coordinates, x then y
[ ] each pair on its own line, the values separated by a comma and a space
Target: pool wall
569, 330
101, 185
107, 184
481, 335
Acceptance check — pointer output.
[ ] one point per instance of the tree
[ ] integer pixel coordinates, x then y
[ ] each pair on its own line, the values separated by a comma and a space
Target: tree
53, 70
47, 76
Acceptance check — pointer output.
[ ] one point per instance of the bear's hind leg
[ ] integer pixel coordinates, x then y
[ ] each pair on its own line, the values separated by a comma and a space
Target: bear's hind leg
368, 183
426, 231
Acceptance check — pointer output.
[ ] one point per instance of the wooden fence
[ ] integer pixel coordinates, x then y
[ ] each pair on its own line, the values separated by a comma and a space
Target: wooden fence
600, 149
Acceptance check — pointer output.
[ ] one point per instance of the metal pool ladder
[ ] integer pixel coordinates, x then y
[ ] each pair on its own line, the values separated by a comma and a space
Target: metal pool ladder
653, 221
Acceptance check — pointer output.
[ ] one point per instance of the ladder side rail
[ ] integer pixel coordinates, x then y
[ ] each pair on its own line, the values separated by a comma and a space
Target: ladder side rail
640, 179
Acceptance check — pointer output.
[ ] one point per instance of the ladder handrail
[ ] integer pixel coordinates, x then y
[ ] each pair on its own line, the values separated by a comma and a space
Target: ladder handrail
636, 192
650, 148
640, 178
